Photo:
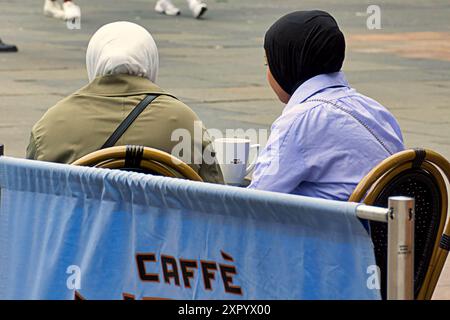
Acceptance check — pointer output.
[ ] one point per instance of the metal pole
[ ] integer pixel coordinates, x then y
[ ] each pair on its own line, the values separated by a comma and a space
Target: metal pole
372, 213
400, 278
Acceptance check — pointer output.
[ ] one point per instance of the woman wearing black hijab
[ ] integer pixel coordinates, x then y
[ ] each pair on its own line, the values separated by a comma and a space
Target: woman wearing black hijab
328, 136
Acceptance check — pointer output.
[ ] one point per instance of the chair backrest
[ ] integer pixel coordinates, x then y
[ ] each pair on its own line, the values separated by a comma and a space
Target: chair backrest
139, 159
411, 173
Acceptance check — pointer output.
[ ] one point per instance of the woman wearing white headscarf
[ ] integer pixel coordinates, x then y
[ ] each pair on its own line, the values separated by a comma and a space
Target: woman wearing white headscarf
122, 64
122, 48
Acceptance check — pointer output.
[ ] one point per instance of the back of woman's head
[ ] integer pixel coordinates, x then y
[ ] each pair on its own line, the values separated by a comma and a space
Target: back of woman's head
122, 48
302, 45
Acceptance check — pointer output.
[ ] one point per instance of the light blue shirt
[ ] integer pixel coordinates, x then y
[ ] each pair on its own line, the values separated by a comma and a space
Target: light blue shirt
326, 140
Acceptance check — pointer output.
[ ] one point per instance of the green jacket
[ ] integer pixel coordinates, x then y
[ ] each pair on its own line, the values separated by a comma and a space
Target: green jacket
82, 122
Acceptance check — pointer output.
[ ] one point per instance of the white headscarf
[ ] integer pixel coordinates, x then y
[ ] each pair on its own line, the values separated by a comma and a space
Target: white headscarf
122, 48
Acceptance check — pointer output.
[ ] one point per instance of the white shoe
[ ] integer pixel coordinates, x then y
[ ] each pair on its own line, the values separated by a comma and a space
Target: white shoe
198, 8
71, 11
53, 9
166, 7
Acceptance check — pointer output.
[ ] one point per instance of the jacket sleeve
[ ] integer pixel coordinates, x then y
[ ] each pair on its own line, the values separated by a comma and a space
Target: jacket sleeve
209, 169
32, 148
280, 166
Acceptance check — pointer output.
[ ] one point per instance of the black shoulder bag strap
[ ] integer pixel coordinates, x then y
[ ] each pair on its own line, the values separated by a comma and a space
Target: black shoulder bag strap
112, 140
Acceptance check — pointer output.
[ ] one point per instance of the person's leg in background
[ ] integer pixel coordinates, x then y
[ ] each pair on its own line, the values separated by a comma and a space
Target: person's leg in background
68, 10
197, 7
166, 7
53, 8
7, 47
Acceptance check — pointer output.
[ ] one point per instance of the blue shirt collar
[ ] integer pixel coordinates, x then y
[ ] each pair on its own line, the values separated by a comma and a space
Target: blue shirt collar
315, 85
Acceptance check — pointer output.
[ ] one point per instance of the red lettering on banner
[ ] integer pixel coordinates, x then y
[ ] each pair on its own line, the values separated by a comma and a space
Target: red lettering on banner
180, 272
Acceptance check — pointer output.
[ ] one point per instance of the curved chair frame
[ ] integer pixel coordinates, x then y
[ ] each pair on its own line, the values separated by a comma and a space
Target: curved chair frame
137, 157
378, 178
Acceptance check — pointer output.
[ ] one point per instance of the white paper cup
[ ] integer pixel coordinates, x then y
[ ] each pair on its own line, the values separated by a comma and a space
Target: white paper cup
232, 154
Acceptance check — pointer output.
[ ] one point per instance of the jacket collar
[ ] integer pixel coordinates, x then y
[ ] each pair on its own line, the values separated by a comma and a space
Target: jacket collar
120, 85
315, 85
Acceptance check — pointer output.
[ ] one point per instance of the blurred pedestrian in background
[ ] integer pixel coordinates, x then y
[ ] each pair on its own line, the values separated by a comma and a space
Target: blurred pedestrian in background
197, 7
67, 11
7, 47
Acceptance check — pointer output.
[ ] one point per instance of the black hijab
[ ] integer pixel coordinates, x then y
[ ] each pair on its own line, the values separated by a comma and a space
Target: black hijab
301, 45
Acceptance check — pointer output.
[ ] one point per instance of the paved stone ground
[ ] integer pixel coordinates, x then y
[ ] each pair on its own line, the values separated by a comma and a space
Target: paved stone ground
216, 65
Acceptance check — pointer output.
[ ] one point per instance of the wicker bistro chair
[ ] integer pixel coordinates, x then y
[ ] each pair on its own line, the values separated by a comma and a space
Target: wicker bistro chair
139, 159
418, 174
